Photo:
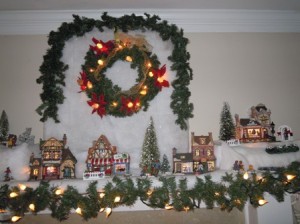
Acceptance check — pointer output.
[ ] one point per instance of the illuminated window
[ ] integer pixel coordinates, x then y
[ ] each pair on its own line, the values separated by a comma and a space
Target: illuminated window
254, 132
56, 155
35, 172
46, 155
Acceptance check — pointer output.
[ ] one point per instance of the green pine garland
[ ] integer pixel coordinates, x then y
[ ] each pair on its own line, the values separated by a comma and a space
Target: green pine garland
232, 192
282, 149
52, 69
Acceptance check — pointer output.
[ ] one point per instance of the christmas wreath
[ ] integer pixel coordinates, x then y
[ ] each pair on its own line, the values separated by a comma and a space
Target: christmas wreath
107, 98
52, 69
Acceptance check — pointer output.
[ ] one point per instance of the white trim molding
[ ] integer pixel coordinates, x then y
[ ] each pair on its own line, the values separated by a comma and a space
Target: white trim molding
43, 21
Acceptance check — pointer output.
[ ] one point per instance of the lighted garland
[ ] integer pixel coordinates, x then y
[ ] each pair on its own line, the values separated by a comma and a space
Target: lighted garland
233, 191
53, 69
107, 98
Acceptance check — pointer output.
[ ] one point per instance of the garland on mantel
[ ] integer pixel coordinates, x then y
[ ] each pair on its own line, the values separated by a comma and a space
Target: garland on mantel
53, 69
233, 191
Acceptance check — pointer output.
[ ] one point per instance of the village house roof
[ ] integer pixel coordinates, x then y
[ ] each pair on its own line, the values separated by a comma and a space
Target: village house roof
249, 122
67, 154
202, 139
183, 157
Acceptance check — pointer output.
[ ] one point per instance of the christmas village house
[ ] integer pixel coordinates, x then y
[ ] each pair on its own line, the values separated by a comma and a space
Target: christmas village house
257, 128
201, 159
103, 160
56, 162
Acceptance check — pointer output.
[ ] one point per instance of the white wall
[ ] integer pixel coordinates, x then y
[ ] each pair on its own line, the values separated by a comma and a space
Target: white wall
242, 68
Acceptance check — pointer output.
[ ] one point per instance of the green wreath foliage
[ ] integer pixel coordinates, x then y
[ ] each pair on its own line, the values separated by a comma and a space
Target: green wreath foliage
114, 95
53, 69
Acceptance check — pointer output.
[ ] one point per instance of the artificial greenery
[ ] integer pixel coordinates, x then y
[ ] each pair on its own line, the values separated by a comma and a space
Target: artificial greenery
4, 126
115, 100
227, 128
165, 164
149, 160
53, 69
282, 149
233, 191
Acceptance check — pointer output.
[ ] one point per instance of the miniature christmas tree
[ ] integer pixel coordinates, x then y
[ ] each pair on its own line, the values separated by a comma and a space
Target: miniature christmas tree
227, 129
4, 126
26, 137
165, 166
150, 152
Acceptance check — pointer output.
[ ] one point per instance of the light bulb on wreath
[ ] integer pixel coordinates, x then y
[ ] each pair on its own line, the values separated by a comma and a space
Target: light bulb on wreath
128, 58
100, 62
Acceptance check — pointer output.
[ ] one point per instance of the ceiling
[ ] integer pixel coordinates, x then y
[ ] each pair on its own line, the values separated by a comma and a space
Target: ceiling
150, 4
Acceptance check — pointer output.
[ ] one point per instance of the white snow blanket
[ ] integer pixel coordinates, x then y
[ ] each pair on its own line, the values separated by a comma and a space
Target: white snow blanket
254, 154
127, 134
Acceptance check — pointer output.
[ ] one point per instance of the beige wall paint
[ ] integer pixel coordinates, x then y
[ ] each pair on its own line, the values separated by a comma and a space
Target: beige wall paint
207, 216
243, 69
20, 58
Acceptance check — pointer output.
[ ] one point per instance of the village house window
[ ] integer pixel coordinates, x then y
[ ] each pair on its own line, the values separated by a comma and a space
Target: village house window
197, 152
46, 155
35, 172
254, 133
56, 155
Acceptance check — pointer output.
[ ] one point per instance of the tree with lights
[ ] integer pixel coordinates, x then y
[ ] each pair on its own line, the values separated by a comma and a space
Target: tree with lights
150, 152
165, 165
4, 126
227, 128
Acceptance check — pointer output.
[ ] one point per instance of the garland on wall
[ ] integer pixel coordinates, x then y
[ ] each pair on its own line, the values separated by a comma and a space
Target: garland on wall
53, 69
232, 192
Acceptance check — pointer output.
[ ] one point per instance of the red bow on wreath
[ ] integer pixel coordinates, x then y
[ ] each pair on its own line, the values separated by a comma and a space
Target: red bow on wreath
83, 81
98, 104
158, 74
102, 47
130, 105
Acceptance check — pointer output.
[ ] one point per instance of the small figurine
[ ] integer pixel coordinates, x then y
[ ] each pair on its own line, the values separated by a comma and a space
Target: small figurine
201, 168
236, 166
155, 167
241, 165
11, 141
251, 168
7, 176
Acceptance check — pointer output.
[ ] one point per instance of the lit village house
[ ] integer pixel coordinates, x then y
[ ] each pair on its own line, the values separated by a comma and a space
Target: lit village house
103, 160
200, 160
56, 162
257, 128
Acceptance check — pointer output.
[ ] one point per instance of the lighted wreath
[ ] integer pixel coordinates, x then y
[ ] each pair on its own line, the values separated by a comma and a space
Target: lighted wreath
53, 77
107, 98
